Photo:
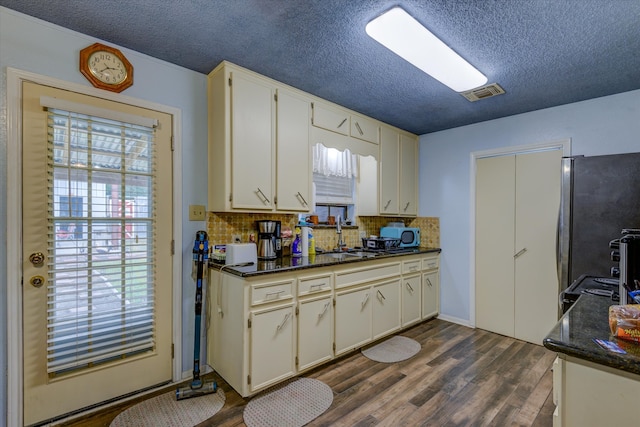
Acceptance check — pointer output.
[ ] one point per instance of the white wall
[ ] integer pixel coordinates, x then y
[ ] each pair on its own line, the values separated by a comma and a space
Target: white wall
33, 45
607, 125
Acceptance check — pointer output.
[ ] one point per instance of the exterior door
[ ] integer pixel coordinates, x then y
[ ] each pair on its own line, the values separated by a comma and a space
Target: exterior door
97, 228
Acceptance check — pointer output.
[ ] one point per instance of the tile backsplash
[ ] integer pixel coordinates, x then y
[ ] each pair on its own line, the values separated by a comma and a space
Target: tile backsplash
223, 226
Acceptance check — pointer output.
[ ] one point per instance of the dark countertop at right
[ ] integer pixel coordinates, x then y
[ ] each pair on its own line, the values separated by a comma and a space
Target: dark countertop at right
586, 320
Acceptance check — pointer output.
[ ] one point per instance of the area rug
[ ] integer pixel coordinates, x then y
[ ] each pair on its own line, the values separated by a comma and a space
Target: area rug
290, 405
165, 411
395, 349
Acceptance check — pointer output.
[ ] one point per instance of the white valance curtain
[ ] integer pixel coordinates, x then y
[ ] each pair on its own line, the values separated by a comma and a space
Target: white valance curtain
332, 162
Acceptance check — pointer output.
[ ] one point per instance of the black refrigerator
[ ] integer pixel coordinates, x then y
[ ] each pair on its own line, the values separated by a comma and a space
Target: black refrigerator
600, 197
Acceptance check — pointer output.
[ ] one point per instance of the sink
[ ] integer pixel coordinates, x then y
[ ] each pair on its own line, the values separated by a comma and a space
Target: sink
354, 254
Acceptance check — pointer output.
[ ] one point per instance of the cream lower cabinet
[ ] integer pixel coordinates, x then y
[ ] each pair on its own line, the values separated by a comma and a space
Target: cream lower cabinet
353, 318
411, 289
265, 329
386, 308
272, 346
315, 320
591, 395
430, 286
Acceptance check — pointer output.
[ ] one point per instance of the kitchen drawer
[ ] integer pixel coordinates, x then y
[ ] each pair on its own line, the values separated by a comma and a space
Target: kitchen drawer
330, 118
366, 274
273, 291
365, 129
314, 284
431, 263
411, 266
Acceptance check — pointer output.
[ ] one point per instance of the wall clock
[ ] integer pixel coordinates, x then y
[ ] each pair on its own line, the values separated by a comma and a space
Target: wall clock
106, 67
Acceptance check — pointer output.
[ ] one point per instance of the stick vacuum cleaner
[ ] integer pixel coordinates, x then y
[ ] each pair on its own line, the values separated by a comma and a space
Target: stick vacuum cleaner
197, 386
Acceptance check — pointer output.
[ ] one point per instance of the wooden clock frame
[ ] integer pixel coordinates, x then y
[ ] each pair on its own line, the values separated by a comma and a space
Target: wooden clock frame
84, 68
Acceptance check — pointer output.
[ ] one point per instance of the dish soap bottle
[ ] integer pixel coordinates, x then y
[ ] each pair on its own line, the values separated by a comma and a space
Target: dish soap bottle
312, 243
296, 246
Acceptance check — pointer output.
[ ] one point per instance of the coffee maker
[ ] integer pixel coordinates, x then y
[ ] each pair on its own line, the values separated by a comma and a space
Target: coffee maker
629, 264
268, 239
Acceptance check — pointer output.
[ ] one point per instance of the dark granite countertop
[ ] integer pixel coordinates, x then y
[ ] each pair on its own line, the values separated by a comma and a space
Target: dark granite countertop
586, 320
286, 264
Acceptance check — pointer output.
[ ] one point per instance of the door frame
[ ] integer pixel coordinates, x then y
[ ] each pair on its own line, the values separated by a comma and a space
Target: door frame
563, 144
15, 77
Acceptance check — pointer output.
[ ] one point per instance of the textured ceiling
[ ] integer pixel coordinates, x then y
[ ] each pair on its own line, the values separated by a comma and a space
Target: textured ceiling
542, 52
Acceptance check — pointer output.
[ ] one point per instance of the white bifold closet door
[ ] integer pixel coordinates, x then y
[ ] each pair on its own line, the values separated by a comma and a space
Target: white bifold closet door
517, 205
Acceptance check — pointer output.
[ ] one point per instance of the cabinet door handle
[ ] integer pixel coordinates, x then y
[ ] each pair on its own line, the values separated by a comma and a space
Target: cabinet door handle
299, 196
410, 287
380, 293
429, 282
276, 293
359, 129
387, 205
265, 198
523, 250
406, 206
284, 321
364, 301
324, 310
341, 123
317, 286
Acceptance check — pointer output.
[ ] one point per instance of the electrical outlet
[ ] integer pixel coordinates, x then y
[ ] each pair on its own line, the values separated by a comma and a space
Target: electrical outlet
236, 238
196, 213
363, 234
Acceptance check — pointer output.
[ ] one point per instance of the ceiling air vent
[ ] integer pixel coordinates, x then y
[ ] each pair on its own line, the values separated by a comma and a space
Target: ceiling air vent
483, 92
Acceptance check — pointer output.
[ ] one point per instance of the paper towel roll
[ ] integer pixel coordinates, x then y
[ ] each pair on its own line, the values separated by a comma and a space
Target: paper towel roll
305, 241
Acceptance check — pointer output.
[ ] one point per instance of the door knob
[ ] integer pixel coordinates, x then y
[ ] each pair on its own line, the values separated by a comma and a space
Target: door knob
36, 258
37, 281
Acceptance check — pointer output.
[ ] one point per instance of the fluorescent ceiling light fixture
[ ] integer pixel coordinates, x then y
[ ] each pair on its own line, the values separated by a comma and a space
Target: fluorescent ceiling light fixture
403, 35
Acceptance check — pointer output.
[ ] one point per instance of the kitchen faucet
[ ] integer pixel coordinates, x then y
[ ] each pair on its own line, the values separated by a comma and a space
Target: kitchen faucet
341, 243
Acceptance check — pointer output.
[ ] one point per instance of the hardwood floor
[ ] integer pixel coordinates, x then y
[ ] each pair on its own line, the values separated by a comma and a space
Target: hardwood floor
461, 377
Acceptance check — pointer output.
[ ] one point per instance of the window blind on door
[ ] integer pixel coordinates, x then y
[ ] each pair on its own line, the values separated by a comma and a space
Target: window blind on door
101, 240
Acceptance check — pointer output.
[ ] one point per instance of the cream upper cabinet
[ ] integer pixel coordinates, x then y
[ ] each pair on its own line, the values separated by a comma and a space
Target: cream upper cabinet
293, 156
408, 176
330, 118
259, 158
365, 128
241, 141
398, 173
252, 133
389, 164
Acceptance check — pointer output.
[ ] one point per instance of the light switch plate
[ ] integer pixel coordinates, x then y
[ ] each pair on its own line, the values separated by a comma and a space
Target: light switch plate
196, 213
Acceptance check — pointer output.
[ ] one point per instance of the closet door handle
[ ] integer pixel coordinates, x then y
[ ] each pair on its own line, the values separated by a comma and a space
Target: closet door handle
523, 250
